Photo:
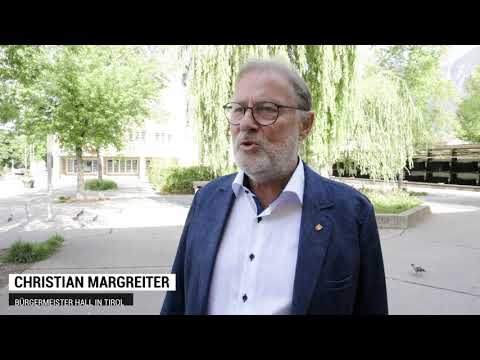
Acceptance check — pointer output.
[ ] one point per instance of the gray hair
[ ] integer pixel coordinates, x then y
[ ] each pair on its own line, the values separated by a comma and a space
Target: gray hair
300, 88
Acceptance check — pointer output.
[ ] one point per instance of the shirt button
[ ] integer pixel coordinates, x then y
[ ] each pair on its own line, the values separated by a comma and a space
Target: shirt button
246, 192
251, 257
244, 297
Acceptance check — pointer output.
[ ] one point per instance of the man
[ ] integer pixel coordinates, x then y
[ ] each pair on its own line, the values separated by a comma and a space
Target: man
276, 238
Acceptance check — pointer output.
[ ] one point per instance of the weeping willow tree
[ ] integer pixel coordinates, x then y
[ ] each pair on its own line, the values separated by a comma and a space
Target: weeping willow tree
350, 115
212, 72
386, 120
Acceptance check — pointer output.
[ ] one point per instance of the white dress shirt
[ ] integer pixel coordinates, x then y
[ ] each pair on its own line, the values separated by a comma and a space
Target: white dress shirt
255, 266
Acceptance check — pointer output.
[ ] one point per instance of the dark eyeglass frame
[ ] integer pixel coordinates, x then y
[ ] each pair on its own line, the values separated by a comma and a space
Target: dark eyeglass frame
252, 108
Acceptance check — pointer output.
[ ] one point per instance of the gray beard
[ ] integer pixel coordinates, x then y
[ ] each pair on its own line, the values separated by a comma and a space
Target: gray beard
270, 162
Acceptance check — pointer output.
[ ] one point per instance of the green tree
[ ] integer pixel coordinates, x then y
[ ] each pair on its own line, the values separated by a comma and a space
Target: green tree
92, 95
20, 69
329, 70
12, 148
469, 110
420, 67
350, 115
381, 141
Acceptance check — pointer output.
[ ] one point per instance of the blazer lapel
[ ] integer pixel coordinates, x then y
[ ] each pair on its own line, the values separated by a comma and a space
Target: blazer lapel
215, 221
315, 237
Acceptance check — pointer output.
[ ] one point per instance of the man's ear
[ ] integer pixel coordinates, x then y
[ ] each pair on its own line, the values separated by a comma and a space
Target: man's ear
306, 125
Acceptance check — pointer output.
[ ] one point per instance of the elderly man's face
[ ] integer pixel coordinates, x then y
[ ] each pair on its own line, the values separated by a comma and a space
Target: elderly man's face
267, 152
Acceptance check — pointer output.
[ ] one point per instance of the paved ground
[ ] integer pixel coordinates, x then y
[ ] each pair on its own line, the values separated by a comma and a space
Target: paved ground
137, 231
447, 245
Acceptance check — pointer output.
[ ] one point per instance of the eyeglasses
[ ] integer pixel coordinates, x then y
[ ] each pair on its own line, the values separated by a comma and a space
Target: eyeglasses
264, 113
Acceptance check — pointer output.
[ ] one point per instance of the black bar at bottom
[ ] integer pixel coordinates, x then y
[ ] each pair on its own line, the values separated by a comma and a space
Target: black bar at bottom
71, 299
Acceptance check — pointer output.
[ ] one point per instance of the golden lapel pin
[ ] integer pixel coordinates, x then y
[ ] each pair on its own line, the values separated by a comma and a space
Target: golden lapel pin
318, 227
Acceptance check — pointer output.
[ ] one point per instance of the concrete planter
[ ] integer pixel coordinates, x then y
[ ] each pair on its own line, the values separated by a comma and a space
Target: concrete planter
403, 220
384, 221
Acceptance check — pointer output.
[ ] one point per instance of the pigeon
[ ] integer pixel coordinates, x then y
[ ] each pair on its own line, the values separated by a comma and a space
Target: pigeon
10, 218
78, 215
417, 269
95, 218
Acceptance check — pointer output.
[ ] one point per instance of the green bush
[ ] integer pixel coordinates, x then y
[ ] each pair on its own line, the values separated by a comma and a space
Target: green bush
391, 202
178, 180
97, 185
27, 252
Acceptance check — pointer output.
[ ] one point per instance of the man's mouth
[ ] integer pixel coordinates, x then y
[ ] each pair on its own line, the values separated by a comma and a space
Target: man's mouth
248, 145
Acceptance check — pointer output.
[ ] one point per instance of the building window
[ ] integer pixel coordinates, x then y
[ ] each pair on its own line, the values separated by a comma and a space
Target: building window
169, 138
122, 166
89, 166
157, 136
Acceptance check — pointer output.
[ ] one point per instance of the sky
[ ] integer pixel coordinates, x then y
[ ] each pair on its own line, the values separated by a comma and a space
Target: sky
455, 51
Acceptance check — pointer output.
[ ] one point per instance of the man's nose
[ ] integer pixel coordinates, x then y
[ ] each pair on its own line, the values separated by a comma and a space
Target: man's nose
248, 121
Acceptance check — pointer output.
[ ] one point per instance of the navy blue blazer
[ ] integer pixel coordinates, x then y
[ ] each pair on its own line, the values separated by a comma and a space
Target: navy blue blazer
339, 269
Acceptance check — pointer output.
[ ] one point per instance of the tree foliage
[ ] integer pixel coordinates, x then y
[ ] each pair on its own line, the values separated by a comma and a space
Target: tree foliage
329, 71
87, 96
12, 148
95, 94
358, 115
420, 67
469, 110
21, 67
381, 140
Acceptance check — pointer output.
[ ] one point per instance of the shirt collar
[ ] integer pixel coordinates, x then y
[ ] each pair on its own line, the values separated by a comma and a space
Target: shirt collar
295, 185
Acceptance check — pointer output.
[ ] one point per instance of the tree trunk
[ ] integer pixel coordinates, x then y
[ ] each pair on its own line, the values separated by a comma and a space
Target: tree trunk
400, 180
80, 178
99, 166
31, 157
49, 162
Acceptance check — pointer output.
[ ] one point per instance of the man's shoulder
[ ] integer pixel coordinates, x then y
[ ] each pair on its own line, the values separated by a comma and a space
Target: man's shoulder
220, 183
344, 197
343, 190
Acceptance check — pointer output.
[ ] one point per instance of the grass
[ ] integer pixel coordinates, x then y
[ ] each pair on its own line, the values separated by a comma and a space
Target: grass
64, 199
97, 185
421, 193
27, 252
391, 202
